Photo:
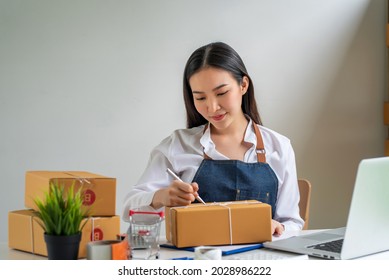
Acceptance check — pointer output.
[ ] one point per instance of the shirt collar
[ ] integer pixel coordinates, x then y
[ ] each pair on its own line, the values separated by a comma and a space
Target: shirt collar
206, 140
209, 145
250, 136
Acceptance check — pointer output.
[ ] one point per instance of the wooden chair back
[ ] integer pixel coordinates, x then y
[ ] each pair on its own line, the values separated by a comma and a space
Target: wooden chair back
305, 199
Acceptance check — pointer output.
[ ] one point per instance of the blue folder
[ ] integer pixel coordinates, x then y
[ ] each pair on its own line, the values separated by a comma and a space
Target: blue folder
225, 250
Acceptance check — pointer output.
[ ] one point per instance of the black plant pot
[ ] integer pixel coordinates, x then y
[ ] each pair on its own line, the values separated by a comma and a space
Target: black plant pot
61, 247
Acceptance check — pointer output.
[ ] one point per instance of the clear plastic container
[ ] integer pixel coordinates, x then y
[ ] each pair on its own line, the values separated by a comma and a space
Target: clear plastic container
143, 234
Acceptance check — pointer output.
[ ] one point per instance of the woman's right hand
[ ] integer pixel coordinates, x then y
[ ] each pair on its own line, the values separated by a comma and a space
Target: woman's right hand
176, 194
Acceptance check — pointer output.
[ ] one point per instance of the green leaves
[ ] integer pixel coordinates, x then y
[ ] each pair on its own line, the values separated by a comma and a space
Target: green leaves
61, 213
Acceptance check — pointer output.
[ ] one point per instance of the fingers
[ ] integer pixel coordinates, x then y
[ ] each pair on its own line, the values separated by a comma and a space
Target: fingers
277, 228
195, 188
180, 193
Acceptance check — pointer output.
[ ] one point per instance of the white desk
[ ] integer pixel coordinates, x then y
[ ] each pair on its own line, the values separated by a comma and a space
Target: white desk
11, 254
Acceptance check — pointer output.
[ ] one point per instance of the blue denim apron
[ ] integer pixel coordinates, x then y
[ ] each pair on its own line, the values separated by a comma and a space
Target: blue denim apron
230, 180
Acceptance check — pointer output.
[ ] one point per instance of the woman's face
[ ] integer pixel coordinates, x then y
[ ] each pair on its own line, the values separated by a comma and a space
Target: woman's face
218, 96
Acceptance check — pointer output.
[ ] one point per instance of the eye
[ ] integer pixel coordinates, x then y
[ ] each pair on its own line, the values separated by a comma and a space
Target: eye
222, 93
199, 98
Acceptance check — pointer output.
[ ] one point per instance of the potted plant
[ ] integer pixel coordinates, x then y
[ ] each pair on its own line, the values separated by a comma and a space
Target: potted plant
62, 219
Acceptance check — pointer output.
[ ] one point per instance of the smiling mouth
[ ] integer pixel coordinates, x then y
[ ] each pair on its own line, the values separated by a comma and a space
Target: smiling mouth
218, 117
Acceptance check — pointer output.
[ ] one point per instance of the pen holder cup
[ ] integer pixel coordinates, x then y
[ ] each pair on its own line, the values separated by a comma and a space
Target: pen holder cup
143, 234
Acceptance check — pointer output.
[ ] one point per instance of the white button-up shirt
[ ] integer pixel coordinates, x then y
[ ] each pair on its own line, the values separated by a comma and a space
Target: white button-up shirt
183, 152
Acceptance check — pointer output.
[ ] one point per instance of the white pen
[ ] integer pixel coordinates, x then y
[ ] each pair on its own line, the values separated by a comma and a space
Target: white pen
179, 179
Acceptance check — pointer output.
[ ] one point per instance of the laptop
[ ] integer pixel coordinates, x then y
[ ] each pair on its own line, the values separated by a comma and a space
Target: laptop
367, 229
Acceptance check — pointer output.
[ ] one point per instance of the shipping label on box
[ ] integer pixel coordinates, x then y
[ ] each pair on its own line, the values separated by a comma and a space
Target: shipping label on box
224, 223
25, 233
99, 192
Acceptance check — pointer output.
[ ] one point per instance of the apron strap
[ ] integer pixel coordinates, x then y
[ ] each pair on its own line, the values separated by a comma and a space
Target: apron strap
260, 148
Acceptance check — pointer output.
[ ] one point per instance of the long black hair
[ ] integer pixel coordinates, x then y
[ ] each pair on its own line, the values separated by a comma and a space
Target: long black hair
222, 56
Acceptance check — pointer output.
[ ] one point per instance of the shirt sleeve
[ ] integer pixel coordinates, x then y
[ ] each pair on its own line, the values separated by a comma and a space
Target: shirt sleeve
153, 178
287, 211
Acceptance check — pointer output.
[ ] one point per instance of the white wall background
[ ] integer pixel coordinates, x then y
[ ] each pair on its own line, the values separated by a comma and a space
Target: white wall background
94, 85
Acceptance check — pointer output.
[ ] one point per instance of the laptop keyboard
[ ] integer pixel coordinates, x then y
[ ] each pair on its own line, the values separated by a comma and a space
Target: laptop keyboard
331, 246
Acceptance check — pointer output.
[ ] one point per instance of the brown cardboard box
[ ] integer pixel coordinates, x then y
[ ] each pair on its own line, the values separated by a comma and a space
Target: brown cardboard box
25, 234
99, 191
223, 223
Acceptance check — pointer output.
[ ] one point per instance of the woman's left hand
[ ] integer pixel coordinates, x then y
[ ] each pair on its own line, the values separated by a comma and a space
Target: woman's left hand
276, 228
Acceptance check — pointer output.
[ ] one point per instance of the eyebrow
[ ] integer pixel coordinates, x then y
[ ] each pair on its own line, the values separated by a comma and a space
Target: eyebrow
216, 88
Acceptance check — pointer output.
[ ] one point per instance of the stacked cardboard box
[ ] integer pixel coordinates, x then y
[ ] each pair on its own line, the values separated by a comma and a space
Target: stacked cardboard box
24, 232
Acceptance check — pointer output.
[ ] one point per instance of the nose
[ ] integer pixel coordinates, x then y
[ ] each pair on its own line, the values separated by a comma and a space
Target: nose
212, 105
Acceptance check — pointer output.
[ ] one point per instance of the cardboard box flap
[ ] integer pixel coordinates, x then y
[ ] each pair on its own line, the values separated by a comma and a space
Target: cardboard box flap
66, 174
84, 174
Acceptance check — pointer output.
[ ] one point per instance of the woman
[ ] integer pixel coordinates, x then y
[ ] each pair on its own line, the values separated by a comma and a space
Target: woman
225, 151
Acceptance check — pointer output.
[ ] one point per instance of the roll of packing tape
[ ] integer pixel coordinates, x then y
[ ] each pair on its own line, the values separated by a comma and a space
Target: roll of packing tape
207, 253
108, 250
